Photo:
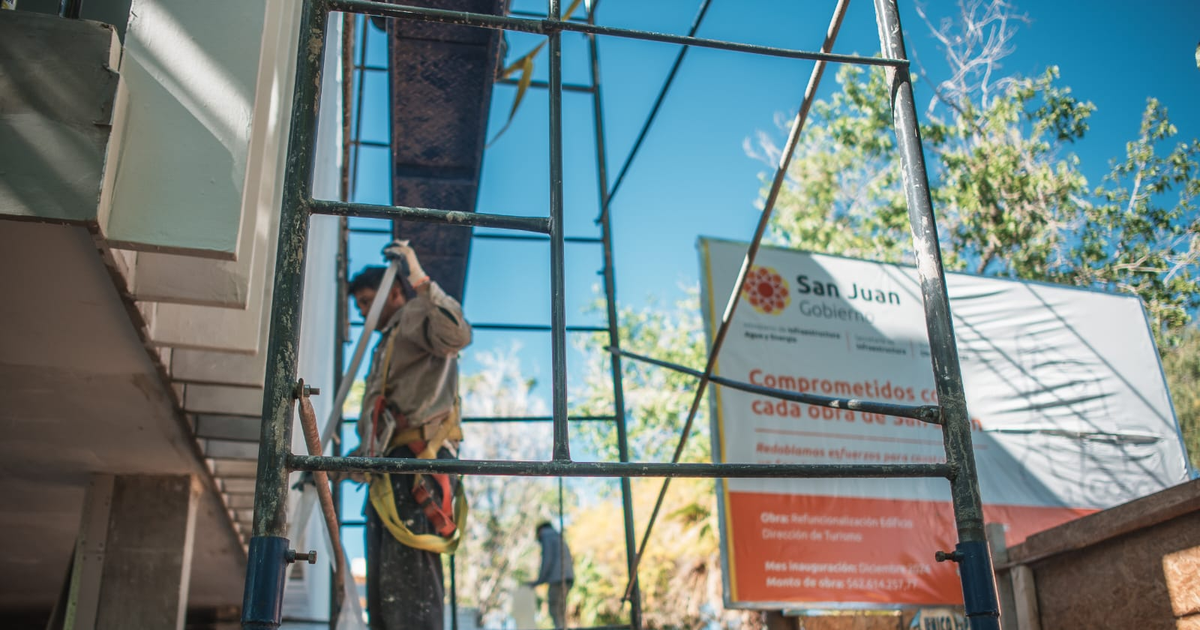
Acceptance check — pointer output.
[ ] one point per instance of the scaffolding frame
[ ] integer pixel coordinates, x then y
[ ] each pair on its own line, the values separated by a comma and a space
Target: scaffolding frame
269, 553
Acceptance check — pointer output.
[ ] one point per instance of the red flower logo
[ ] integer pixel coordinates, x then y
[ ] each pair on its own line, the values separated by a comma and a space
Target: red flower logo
766, 290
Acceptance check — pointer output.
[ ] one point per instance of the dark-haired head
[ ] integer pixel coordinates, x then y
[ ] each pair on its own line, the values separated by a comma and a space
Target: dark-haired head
363, 287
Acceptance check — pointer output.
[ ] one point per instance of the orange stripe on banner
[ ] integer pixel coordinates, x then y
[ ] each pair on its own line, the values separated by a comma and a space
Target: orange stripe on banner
808, 549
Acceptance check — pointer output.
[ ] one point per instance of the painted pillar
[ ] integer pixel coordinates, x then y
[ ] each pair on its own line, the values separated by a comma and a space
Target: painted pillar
133, 557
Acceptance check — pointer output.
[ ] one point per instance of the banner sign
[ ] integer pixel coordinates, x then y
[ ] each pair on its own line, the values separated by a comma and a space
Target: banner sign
1069, 411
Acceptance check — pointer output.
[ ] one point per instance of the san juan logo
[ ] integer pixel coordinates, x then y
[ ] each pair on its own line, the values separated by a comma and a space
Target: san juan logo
766, 290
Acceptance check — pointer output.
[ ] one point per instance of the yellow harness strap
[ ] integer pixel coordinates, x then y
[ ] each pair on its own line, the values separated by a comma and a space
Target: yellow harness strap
383, 499
384, 502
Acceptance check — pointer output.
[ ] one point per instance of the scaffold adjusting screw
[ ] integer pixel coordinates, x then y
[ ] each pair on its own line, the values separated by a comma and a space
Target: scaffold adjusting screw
304, 391
294, 556
952, 556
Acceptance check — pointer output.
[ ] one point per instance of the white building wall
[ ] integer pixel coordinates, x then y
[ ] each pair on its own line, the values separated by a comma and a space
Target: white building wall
192, 70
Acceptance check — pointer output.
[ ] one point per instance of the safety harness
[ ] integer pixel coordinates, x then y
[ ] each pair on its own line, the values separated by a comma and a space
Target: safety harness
448, 517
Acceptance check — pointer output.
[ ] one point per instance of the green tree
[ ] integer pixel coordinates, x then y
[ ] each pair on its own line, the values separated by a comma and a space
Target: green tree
1010, 196
1182, 365
680, 574
500, 549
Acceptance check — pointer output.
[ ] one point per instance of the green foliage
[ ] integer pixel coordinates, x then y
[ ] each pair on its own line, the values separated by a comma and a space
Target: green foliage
501, 549
656, 400
1011, 200
1182, 365
1010, 197
680, 574
848, 200
1142, 234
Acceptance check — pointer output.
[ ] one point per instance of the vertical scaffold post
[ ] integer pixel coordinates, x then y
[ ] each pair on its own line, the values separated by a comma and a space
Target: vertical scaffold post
558, 312
972, 554
614, 334
268, 554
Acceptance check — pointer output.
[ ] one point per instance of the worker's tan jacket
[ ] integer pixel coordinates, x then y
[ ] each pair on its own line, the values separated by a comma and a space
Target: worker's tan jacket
426, 335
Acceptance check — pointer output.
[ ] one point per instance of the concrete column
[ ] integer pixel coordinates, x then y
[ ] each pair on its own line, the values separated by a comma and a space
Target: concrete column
134, 553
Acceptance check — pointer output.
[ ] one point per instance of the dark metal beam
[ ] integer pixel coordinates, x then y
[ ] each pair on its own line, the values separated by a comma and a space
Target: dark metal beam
614, 332
558, 310
618, 469
526, 237
545, 85
522, 419
546, 27
538, 328
430, 215
731, 305
972, 552
262, 602
924, 413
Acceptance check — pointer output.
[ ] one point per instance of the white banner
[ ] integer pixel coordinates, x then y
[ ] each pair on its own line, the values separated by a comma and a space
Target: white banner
1064, 387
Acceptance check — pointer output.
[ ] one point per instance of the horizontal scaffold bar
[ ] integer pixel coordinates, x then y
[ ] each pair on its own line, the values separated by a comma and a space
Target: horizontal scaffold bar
537, 328
429, 215
925, 413
499, 236
545, 85
513, 419
519, 419
617, 469
544, 27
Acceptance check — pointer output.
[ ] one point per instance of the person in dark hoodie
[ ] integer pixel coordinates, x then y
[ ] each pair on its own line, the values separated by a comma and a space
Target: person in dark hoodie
557, 572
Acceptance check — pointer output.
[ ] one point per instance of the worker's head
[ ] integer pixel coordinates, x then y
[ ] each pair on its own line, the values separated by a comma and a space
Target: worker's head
542, 526
364, 287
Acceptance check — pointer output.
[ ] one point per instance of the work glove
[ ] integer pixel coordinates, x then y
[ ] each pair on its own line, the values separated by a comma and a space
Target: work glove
399, 249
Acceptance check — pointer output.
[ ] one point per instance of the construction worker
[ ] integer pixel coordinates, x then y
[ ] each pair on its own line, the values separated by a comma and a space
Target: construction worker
410, 409
557, 572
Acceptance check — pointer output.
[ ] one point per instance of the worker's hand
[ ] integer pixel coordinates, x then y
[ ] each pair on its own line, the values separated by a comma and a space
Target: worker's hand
401, 249
398, 249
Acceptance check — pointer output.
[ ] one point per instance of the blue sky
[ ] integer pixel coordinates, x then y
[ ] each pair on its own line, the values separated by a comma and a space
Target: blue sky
692, 176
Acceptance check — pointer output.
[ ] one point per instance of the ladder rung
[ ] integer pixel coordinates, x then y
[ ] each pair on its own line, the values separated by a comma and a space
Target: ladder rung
429, 215
618, 469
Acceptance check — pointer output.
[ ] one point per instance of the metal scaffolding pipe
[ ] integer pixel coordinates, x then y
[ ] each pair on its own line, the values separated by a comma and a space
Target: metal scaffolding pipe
399, 465
614, 333
558, 309
924, 413
972, 552
546, 27
429, 215
524, 419
537, 328
810, 94
268, 553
